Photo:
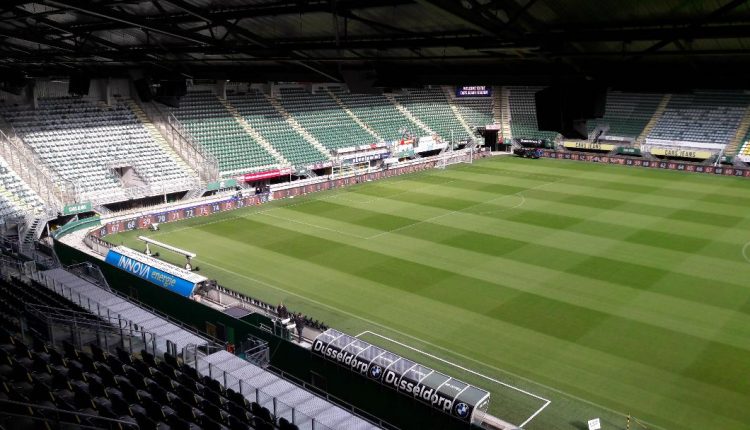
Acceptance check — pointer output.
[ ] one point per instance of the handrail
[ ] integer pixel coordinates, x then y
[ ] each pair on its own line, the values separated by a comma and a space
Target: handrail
54, 190
191, 151
16, 406
162, 315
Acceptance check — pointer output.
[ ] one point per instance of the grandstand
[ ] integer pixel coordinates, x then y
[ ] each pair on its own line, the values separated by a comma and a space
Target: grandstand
626, 114
210, 123
73, 363
340, 214
379, 114
744, 150
319, 114
522, 114
700, 120
16, 198
475, 110
85, 142
258, 111
432, 108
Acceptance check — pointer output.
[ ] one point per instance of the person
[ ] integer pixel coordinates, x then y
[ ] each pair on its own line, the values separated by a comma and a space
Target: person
300, 322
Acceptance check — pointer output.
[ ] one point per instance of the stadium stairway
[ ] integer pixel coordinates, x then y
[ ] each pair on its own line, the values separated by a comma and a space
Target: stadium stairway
21, 162
501, 110
254, 133
449, 95
405, 112
154, 133
31, 232
654, 120
739, 136
297, 127
354, 117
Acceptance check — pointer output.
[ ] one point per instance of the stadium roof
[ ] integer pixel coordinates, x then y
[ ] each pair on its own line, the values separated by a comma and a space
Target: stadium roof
396, 42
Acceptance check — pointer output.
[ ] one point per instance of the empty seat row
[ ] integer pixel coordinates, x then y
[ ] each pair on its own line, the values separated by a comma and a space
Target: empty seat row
701, 117
82, 140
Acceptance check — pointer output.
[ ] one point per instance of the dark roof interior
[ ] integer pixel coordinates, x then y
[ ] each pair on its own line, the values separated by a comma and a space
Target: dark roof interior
659, 44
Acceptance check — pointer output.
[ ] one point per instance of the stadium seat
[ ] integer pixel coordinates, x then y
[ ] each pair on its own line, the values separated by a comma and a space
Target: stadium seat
82, 141
627, 114
523, 114
264, 118
215, 129
379, 114
432, 108
322, 117
708, 119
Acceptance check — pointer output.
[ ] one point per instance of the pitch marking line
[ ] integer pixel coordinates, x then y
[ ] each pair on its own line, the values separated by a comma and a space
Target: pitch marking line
528, 420
364, 202
312, 225
744, 252
516, 206
463, 209
407, 335
306, 201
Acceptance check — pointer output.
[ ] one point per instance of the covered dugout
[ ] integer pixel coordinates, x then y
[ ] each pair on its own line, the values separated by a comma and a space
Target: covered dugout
444, 393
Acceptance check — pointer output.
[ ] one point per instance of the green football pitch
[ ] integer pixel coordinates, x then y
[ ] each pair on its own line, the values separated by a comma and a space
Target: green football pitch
593, 290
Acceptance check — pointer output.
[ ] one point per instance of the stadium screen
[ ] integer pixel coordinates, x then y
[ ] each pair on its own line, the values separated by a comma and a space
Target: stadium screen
474, 91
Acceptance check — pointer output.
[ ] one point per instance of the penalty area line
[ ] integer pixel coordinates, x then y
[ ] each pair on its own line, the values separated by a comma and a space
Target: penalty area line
352, 315
473, 372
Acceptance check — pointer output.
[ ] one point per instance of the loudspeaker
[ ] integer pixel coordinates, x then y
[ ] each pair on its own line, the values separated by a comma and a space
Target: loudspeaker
79, 85
143, 89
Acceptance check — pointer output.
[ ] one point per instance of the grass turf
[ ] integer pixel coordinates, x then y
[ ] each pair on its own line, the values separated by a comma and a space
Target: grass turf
605, 289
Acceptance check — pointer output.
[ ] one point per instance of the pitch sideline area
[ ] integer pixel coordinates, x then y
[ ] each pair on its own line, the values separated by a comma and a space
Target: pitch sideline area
489, 379
596, 285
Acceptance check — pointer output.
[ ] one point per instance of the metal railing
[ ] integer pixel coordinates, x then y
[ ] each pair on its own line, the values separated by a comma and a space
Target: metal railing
99, 309
54, 190
54, 418
182, 142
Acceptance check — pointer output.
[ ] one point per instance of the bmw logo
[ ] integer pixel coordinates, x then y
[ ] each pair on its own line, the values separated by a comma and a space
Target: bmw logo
462, 410
376, 371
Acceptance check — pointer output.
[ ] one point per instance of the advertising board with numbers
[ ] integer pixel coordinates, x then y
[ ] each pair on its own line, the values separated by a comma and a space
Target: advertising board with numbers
144, 221
667, 165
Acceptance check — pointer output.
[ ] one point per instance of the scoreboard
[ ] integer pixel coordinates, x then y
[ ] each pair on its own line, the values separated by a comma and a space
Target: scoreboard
474, 91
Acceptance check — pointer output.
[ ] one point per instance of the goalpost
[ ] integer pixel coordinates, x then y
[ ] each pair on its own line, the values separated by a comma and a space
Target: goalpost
449, 156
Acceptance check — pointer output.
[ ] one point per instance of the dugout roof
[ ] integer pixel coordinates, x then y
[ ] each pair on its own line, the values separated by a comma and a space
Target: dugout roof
347, 348
668, 43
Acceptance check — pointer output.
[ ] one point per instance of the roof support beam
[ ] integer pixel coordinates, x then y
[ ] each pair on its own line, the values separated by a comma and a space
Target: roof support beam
733, 4
131, 21
278, 8
491, 27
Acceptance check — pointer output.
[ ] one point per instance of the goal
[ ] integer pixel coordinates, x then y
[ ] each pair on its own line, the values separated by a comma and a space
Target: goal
449, 156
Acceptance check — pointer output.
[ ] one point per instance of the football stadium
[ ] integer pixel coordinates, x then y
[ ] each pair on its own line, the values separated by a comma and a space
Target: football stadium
374, 214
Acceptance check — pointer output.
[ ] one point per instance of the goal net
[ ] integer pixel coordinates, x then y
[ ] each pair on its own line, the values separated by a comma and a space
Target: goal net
449, 156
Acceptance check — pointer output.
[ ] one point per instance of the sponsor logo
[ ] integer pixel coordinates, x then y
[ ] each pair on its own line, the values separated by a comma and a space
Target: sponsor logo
462, 409
135, 267
376, 371
344, 358
145, 271
387, 377
421, 392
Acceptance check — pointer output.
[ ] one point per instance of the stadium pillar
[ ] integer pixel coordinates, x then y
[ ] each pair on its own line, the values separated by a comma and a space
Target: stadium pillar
107, 90
221, 89
31, 94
